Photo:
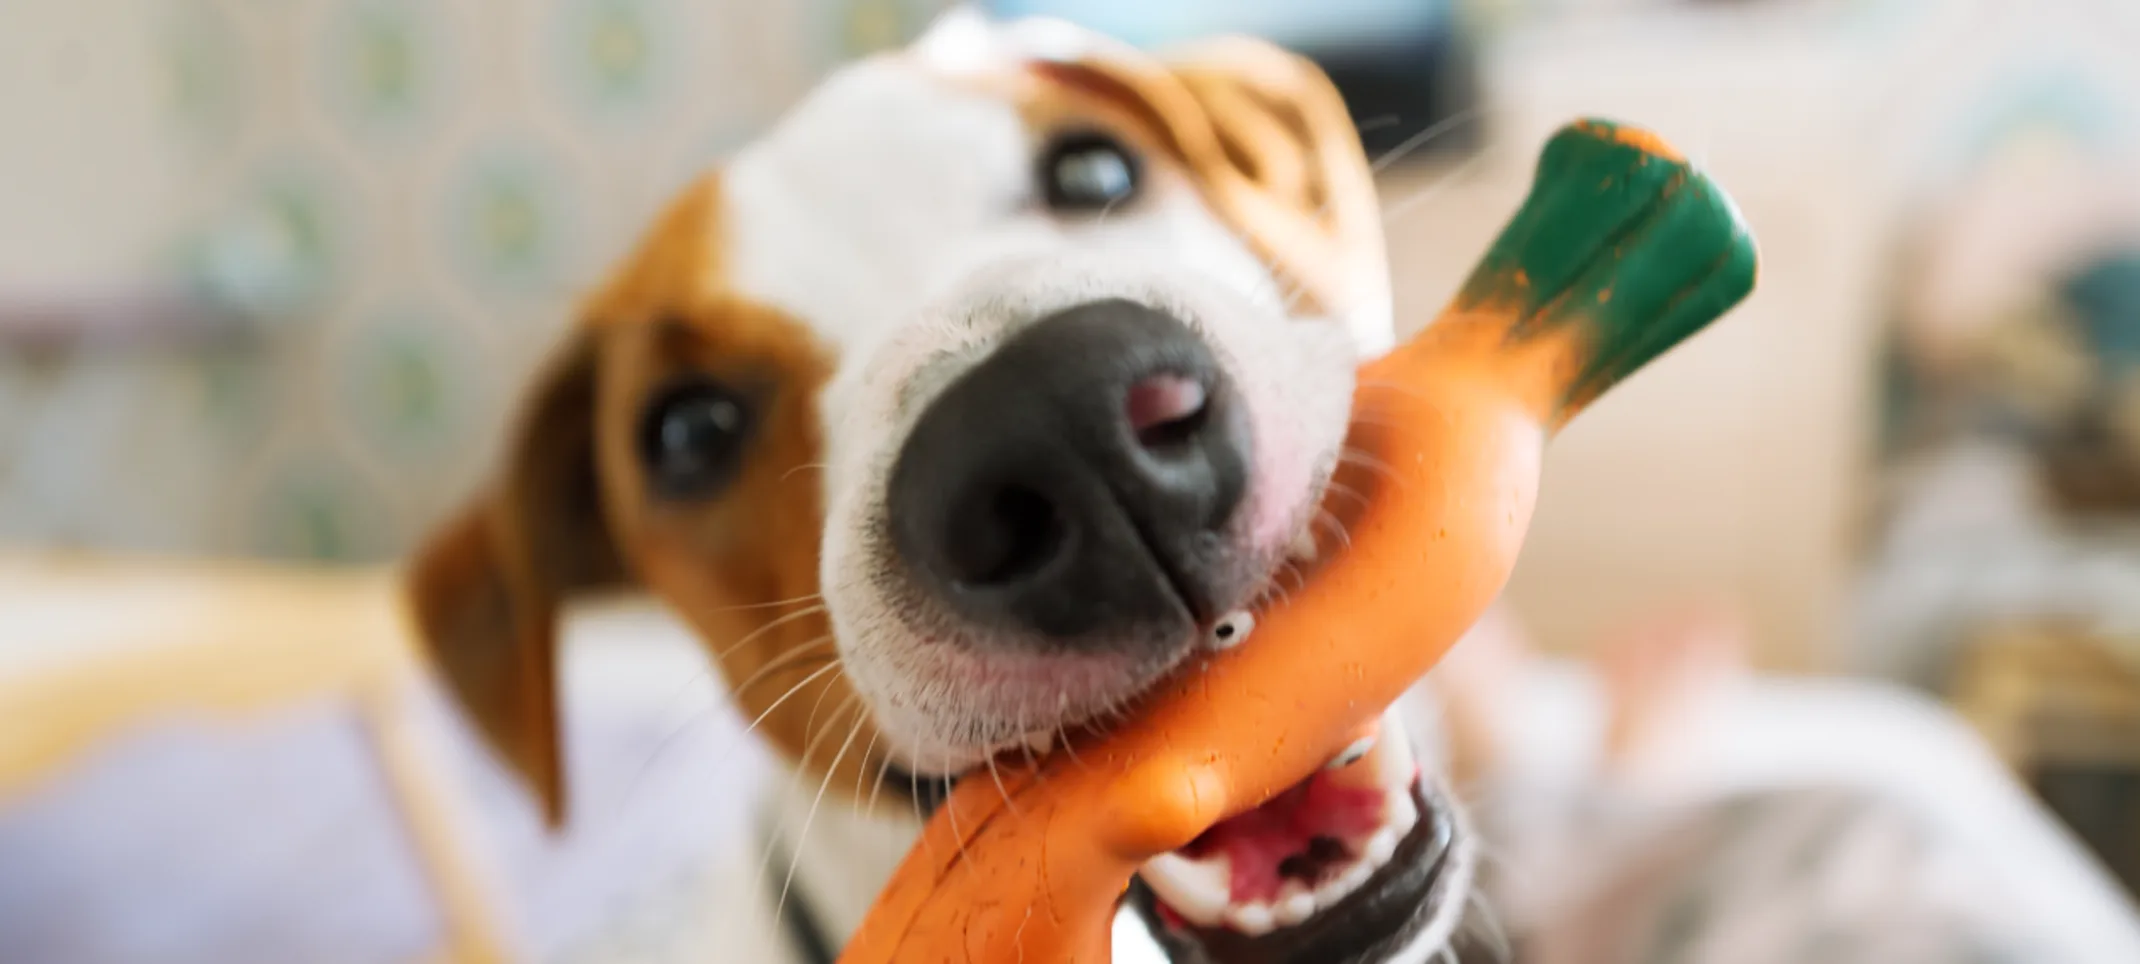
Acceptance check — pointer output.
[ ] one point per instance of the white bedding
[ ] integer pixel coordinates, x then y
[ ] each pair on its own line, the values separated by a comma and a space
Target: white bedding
1779, 734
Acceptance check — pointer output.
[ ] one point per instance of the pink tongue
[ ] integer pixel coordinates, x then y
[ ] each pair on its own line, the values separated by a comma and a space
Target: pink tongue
1259, 841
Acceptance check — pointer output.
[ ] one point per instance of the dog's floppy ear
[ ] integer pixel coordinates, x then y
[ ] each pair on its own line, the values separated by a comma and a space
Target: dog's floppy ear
1270, 141
486, 589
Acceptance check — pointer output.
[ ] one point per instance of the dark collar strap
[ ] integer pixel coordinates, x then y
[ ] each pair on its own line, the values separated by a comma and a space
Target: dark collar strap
796, 915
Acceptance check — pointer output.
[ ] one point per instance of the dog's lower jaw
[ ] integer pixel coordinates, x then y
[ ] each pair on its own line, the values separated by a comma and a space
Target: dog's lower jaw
993, 715
843, 848
981, 701
831, 853
838, 854
834, 856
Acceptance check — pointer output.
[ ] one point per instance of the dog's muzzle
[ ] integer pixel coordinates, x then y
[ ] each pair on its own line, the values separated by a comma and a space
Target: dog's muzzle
1074, 489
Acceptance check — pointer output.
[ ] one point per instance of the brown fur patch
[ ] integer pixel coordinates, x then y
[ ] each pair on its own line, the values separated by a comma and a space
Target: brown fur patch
740, 565
1260, 133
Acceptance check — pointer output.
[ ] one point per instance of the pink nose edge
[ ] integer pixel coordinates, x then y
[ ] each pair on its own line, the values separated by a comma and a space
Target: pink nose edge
1159, 402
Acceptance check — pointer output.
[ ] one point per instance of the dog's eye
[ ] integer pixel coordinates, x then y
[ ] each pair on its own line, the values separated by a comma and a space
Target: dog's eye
1087, 172
691, 440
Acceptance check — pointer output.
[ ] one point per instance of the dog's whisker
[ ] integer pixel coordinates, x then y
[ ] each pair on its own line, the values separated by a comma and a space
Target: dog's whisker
737, 692
810, 722
831, 663
1336, 528
806, 466
1480, 919
884, 769
1455, 177
802, 839
997, 776
1371, 124
1025, 725
653, 756
1339, 488
1423, 138
801, 765
914, 798
770, 625
1273, 589
951, 813
1062, 740
1360, 418
812, 649
1362, 458
792, 690
806, 662
1276, 592
745, 607
685, 687
862, 770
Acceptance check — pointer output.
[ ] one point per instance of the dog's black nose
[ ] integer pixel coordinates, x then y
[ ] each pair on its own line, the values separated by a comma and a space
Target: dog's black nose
1077, 483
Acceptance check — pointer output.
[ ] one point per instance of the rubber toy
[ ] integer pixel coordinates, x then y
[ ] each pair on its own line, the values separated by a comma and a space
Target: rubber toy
1621, 251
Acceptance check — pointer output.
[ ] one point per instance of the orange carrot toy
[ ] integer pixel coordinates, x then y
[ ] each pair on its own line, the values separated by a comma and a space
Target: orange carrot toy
1621, 251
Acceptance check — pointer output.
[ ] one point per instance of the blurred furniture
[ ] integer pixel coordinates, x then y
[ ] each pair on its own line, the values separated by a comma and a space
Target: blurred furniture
1779, 733
2062, 706
115, 677
214, 763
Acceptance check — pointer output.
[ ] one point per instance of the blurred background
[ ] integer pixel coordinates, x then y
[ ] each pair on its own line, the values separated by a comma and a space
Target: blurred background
270, 275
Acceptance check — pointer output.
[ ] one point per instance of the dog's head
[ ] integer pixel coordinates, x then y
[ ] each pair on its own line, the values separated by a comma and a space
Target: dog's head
953, 413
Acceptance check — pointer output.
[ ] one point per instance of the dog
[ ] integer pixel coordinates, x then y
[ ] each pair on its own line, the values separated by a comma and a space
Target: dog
988, 387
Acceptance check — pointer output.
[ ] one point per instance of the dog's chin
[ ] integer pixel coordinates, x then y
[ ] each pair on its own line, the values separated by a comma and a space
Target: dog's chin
949, 697
987, 703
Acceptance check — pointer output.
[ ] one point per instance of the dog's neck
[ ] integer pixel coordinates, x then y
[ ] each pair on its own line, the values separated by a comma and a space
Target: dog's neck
844, 852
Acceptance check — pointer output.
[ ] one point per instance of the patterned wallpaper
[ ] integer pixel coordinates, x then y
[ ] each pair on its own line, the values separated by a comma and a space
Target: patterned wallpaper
411, 194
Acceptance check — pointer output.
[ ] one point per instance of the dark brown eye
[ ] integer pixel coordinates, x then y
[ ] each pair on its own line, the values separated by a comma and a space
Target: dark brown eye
1088, 172
692, 437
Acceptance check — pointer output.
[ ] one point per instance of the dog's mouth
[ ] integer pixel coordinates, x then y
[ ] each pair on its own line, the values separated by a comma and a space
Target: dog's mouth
1358, 863
1355, 863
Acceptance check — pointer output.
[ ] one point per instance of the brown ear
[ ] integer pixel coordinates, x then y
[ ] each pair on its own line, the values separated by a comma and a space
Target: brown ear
1272, 144
486, 588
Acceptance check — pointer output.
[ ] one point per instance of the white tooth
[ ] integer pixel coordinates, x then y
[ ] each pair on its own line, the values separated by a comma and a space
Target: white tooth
1353, 877
1382, 846
1040, 743
1303, 547
1251, 919
1400, 814
1351, 754
1394, 765
1295, 905
1197, 889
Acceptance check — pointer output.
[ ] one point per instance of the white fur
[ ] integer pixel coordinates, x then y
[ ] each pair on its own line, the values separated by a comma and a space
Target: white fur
894, 213
912, 663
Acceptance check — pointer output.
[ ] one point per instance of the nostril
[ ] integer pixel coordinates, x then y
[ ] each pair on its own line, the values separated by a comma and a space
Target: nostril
1076, 485
1165, 410
1015, 533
